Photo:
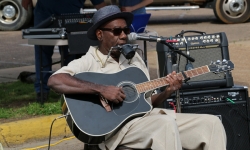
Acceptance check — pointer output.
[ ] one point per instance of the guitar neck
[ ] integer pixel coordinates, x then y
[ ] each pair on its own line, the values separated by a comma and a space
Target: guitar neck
160, 82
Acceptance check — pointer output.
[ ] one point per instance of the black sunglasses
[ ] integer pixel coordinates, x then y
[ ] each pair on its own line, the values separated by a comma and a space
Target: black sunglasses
117, 31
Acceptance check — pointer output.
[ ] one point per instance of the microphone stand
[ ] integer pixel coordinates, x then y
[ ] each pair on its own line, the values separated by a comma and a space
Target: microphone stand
176, 50
174, 67
177, 92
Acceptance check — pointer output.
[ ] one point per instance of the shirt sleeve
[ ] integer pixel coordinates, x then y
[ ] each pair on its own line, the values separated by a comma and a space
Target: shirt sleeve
76, 66
96, 2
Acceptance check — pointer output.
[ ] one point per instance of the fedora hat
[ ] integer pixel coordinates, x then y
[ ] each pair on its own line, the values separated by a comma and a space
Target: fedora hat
106, 14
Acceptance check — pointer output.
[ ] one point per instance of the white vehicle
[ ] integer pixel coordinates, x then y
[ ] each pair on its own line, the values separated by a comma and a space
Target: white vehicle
13, 16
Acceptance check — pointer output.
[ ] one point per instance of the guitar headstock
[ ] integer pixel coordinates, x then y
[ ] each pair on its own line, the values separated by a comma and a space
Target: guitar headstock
221, 66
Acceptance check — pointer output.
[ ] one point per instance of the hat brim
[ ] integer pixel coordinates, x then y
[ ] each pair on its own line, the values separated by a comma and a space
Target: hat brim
125, 15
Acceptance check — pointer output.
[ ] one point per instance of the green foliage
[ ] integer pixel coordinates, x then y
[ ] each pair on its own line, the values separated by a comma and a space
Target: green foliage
33, 109
16, 91
18, 100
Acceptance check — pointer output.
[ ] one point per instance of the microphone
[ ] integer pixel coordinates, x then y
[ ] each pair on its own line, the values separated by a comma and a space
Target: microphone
128, 50
133, 36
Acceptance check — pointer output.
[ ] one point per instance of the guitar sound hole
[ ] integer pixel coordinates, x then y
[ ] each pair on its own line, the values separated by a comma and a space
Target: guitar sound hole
130, 92
131, 101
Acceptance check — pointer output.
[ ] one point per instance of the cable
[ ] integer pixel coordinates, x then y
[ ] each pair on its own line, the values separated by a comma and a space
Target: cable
43, 146
228, 99
172, 104
138, 49
50, 134
51, 127
133, 27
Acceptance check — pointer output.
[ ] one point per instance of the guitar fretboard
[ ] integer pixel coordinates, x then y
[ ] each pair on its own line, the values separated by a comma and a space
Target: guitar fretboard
160, 82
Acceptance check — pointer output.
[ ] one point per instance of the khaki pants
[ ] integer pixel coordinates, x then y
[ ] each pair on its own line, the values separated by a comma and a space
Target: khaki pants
160, 130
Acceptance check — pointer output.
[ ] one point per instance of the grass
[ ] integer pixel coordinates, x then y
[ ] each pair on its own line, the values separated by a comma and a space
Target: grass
18, 100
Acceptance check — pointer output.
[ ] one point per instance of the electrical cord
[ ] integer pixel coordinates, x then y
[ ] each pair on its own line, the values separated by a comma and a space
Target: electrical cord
43, 146
52, 125
173, 105
138, 49
50, 135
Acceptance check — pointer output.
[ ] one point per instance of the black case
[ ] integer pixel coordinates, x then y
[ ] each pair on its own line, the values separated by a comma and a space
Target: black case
46, 33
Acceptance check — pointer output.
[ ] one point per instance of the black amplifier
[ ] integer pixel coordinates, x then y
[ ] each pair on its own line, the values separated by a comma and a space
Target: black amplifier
204, 48
198, 98
231, 105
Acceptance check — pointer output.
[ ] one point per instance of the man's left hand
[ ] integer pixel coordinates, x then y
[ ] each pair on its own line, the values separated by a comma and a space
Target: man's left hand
175, 83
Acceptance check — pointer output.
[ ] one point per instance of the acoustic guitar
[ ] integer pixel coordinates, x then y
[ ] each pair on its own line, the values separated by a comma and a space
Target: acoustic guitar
90, 122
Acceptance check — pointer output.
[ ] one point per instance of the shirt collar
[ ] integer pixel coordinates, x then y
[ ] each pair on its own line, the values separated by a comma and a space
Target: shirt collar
93, 50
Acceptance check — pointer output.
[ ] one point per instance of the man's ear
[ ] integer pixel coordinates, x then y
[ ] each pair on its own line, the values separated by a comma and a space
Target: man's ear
99, 34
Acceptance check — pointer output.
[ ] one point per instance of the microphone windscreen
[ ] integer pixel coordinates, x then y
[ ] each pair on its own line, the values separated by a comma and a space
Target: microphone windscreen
132, 36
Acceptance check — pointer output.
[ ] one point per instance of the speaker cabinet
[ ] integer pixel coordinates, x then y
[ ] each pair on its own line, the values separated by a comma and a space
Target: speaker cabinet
79, 43
234, 116
204, 49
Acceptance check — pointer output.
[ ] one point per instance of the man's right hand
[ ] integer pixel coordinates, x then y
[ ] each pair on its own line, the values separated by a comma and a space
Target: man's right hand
113, 94
26, 4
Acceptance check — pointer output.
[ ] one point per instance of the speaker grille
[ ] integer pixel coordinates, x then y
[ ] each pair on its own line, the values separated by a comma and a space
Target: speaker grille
204, 49
203, 57
235, 121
